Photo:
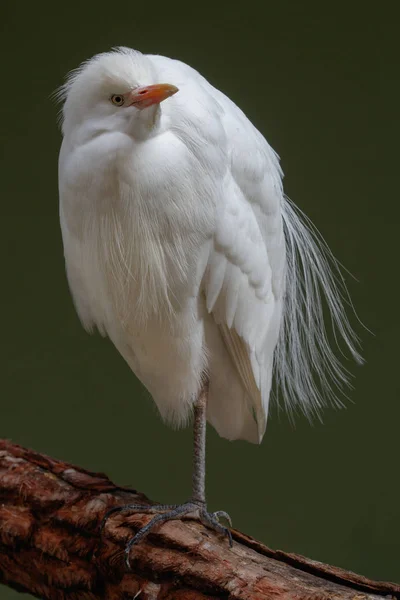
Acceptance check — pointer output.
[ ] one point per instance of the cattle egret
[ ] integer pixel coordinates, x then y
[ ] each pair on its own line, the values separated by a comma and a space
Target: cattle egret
182, 248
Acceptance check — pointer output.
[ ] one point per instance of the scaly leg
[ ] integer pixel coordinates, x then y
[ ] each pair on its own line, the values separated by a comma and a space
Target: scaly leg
197, 504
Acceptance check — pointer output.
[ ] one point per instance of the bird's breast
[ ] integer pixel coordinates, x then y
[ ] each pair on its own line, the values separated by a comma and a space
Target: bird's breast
133, 228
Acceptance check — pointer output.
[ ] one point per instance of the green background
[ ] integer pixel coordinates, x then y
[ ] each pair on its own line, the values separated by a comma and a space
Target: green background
319, 80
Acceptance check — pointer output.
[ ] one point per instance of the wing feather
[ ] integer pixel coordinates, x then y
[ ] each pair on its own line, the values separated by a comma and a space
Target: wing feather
240, 296
240, 355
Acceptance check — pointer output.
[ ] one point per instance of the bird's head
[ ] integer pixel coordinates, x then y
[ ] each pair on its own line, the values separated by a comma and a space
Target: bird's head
116, 90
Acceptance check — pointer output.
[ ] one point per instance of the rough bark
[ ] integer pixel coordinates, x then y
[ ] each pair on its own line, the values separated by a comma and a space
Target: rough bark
50, 546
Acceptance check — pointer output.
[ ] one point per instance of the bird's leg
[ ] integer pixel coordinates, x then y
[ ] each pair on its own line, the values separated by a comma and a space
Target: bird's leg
199, 449
210, 520
199, 461
197, 504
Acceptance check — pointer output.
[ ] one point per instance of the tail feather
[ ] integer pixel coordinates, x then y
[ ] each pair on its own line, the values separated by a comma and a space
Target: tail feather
307, 371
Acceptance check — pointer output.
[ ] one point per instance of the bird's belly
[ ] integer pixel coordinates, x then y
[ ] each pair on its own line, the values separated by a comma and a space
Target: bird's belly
168, 356
146, 298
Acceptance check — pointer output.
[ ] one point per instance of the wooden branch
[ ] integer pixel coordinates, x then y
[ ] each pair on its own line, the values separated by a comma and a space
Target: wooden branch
50, 546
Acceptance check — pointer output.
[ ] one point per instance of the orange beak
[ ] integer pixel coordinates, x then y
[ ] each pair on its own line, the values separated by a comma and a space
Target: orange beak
143, 97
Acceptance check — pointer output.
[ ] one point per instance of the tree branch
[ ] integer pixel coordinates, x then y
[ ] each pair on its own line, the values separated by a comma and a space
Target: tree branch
50, 546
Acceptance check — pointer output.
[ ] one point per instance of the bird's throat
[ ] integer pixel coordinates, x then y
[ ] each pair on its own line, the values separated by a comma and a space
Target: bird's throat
145, 123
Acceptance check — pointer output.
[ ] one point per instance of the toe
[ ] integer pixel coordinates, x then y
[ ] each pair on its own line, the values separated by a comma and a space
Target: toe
221, 513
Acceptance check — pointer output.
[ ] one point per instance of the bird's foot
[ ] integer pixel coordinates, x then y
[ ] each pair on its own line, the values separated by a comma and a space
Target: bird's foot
168, 512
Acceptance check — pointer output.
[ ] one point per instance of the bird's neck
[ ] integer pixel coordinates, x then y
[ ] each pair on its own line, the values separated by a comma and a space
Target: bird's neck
146, 123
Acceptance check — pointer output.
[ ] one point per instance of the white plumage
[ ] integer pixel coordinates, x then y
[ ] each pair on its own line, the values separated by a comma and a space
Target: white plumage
181, 247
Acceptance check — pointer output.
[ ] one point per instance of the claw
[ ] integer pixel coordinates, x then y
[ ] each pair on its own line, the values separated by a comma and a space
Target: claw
166, 512
139, 508
211, 520
229, 534
144, 531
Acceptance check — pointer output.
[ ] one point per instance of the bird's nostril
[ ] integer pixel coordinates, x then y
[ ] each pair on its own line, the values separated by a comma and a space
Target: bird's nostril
143, 92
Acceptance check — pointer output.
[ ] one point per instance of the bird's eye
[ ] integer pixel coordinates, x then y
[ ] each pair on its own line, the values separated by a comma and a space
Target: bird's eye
117, 99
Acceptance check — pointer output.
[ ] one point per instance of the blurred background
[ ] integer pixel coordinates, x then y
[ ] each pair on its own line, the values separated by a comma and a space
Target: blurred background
320, 81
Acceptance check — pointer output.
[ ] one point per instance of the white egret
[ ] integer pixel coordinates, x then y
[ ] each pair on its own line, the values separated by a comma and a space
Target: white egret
181, 247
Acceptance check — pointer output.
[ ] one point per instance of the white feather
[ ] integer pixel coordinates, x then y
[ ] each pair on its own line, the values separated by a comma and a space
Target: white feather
181, 246
307, 370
